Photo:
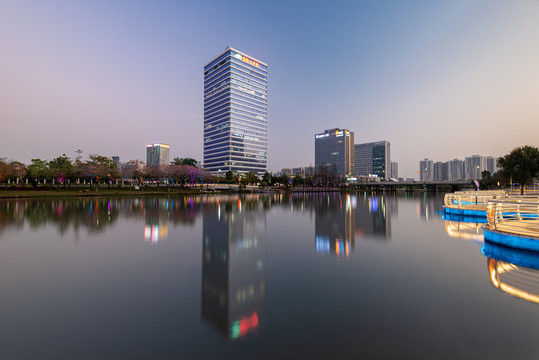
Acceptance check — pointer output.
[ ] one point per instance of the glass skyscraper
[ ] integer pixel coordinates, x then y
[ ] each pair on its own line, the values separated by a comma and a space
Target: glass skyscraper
334, 152
373, 159
235, 113
157, 155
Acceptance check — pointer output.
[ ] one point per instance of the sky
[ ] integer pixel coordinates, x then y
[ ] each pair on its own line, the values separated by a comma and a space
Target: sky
437, 79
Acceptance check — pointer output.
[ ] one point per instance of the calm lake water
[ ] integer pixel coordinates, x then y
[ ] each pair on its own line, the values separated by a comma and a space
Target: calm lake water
257, 277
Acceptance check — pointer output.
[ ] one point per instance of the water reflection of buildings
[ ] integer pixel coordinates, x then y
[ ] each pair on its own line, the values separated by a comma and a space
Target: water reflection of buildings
429, 206
340, 219
234, 268
373, 215
334, 225
513, 272
157, 214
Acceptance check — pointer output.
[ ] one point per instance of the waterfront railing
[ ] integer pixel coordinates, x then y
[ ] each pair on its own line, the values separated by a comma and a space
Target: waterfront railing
517, 215
472, 200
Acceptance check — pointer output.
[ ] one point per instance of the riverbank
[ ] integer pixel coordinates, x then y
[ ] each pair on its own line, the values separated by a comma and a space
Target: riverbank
101, 191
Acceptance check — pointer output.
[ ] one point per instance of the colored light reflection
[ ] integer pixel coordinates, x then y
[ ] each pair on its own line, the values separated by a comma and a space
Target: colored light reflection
151, 233
244, 325
373, 204
322, 244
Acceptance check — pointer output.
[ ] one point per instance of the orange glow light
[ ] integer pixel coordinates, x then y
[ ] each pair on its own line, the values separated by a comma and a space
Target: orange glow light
249, 61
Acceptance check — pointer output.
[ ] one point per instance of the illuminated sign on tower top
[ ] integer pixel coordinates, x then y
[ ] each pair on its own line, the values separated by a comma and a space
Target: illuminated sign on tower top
249, 61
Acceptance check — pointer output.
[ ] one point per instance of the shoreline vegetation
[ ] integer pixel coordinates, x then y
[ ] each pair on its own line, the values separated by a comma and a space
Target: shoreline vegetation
124, 191
53, 192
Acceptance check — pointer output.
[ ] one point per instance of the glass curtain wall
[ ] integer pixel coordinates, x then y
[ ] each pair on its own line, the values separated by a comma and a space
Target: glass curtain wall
235, 114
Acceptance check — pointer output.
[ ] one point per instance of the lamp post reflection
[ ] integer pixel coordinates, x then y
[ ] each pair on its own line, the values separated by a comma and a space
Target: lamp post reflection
234, 268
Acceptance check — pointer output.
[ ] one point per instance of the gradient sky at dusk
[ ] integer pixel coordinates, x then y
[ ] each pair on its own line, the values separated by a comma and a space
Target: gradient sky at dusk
438, 79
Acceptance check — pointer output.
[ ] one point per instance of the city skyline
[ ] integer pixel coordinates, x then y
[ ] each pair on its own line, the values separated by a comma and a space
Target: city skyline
440, 80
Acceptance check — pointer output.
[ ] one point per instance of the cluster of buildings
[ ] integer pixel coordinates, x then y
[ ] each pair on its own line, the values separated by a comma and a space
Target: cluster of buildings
236, 127
336, 153
467, 169
157, 156
236, 124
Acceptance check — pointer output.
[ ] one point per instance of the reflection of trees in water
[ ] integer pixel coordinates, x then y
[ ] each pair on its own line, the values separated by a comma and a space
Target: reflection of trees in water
90, 214
10, 215
95, 214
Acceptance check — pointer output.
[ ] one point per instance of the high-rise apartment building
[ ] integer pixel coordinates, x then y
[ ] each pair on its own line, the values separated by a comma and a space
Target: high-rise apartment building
474, 166
334, 151
438, 171
492, 165
235, 113
426, 170
455, 169
373, 159
157, 155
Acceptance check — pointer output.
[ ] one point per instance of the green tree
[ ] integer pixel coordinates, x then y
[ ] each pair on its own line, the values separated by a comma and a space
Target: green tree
486, 180
298, 180
250, 178
184, 161
521, 165
231, 177
60, 169
38, 170
266, 179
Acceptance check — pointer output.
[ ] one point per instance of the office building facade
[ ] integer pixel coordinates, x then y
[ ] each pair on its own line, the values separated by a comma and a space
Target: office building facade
235, 113
334, 152
157, 155
373, 159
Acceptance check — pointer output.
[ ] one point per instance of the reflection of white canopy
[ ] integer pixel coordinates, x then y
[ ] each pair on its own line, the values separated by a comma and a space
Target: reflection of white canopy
464, 230
527, 280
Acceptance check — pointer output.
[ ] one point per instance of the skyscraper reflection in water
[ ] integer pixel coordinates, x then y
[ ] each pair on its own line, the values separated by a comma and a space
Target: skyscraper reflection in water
334, 225
372, 215
234, 268
156, 227
342, 219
